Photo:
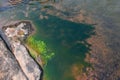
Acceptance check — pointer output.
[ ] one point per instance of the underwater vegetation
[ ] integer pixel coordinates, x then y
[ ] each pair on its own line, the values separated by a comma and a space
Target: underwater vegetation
40, 49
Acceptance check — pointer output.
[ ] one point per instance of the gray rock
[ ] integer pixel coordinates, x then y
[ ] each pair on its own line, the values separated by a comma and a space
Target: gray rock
9, 67
26, 63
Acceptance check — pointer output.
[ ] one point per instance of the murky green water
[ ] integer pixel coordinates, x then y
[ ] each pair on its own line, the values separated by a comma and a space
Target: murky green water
67, 39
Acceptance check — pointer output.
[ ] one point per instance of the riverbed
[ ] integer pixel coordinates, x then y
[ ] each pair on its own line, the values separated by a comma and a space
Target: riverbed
68, 41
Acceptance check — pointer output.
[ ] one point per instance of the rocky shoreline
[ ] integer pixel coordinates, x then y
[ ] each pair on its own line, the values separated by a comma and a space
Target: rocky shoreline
15, 34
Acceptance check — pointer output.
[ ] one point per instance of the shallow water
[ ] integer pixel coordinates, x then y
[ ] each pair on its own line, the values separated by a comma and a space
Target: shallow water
67, 39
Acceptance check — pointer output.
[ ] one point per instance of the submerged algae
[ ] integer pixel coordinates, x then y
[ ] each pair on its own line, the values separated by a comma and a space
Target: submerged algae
40, 49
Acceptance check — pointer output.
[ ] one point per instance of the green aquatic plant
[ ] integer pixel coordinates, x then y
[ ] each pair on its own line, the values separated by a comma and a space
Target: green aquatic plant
39, 48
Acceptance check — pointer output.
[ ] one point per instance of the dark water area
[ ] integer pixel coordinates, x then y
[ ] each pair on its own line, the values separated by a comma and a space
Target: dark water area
68, 41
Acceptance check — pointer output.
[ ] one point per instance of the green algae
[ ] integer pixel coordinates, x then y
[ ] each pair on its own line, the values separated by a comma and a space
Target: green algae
41, 49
